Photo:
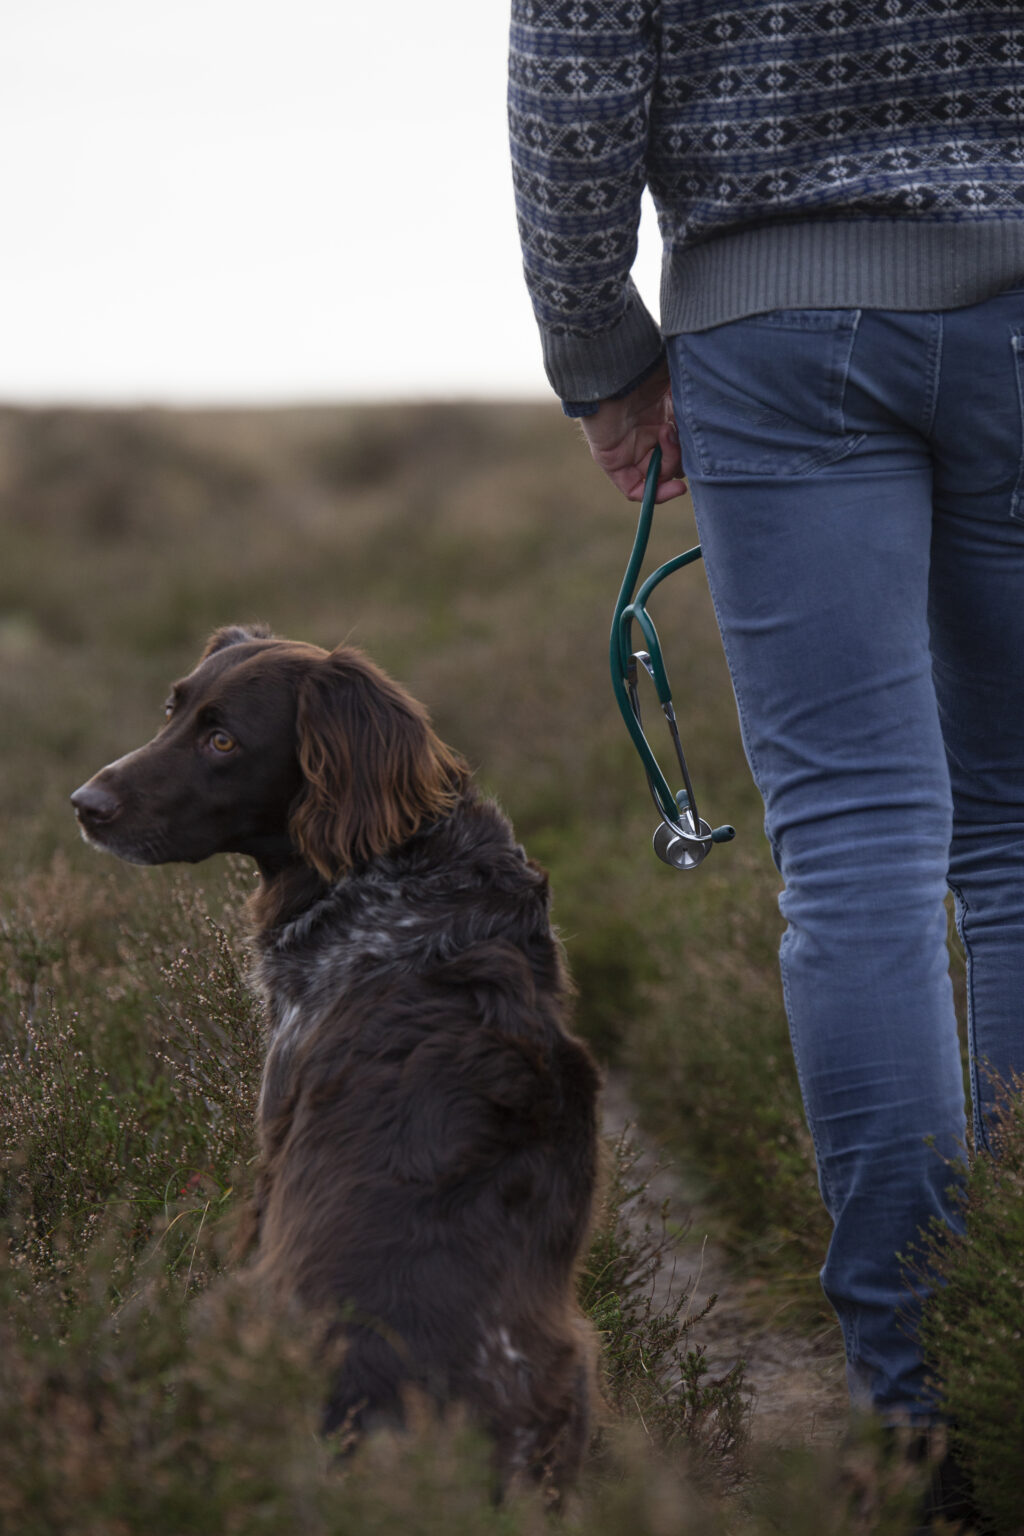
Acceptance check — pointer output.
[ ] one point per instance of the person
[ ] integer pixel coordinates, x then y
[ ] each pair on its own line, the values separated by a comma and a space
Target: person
839, 377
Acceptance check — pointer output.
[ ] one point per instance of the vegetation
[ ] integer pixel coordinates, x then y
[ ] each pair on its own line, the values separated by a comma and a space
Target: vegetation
474, 553
974, 1322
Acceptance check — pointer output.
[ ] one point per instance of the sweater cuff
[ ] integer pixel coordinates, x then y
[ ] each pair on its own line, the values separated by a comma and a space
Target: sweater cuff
588, 369
578, 408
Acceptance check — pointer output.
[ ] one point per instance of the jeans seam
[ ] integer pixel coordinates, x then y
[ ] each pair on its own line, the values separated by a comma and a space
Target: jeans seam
726, 648
1017, 498
845, 372
934, 374
824, 1180
690, 417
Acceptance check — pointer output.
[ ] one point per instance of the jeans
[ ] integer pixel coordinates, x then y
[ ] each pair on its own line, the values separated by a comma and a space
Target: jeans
858, 479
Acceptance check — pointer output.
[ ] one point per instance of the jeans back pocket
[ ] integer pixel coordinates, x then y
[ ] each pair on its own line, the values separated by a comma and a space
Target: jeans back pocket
764, 395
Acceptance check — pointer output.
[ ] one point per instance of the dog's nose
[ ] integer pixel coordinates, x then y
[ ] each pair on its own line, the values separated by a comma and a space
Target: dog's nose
94, 806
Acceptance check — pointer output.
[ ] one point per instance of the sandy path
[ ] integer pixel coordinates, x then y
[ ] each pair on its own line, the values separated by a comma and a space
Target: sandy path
799, 1381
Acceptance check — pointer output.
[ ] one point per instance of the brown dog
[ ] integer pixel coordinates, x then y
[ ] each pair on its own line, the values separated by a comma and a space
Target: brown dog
428, 1125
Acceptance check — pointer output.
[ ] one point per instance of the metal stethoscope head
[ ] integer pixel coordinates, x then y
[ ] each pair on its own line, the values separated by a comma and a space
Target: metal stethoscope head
682, 838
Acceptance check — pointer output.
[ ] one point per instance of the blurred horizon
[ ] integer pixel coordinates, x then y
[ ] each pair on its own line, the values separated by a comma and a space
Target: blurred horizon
244, 204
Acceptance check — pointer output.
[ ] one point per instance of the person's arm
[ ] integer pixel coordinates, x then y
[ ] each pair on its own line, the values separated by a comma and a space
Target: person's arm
578, 105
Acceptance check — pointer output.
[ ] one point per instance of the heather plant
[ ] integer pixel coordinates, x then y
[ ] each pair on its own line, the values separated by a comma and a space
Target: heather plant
136, 1104
974, 1321
154, 1418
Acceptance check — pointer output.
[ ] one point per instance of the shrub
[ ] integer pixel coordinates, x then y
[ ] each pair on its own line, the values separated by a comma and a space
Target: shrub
973, 1326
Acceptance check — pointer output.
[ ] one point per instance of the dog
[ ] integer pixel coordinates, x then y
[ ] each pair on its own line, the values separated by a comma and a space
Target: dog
427, 1122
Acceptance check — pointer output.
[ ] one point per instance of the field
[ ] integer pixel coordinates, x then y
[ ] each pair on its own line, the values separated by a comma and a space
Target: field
476, 554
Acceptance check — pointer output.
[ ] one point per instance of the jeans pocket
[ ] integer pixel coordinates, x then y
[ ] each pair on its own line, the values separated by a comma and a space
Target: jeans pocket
764, 395
1017, 499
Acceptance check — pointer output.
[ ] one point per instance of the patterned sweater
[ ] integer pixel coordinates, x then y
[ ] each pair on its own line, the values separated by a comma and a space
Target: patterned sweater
807, 153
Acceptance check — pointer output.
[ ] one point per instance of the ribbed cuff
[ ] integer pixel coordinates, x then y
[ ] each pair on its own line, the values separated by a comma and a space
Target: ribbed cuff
591, 368
577, 408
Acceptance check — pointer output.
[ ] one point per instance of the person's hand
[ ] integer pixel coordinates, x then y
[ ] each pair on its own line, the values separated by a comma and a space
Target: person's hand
622, 435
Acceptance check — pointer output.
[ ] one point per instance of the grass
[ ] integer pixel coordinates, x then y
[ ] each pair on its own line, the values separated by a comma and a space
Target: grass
476, 554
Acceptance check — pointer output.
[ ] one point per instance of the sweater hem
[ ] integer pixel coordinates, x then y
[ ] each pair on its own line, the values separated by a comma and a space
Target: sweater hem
831, 263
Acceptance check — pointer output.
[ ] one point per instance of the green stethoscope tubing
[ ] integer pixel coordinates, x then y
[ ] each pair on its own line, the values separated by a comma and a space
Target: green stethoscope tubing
625, 662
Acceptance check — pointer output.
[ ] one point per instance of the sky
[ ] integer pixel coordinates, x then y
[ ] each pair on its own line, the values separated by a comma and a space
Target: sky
220, 201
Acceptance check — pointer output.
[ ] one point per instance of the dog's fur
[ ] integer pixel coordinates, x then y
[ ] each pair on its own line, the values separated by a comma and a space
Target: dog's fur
428, 1125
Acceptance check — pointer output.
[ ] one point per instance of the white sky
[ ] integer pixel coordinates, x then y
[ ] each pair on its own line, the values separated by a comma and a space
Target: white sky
253, 200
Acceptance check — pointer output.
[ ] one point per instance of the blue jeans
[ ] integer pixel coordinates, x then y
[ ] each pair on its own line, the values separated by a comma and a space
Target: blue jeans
858, 479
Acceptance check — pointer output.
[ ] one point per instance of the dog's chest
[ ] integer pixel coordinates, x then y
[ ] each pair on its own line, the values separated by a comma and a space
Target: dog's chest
348, 936
349, 939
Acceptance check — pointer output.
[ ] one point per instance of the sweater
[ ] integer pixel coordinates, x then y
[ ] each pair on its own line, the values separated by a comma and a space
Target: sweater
800, 153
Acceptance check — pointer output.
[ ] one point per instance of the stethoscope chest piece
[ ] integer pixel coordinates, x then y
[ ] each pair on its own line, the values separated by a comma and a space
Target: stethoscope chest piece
680, 850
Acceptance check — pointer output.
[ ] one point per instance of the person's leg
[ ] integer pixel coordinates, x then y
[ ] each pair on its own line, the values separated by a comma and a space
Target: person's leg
977, 623
802, 439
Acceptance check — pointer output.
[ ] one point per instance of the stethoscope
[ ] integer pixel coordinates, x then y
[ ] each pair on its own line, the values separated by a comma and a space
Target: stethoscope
682, 839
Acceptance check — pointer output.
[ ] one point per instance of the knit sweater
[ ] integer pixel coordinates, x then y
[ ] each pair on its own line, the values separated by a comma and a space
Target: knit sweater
800, 153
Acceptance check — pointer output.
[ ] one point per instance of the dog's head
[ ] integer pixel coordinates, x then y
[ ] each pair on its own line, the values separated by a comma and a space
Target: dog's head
275, 748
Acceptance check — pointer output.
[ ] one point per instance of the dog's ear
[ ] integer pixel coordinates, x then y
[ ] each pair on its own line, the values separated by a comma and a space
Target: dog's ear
375, 771
235, 634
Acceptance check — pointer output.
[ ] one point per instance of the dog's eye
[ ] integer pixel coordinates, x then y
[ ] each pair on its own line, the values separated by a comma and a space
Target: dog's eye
168, 709
220, 741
